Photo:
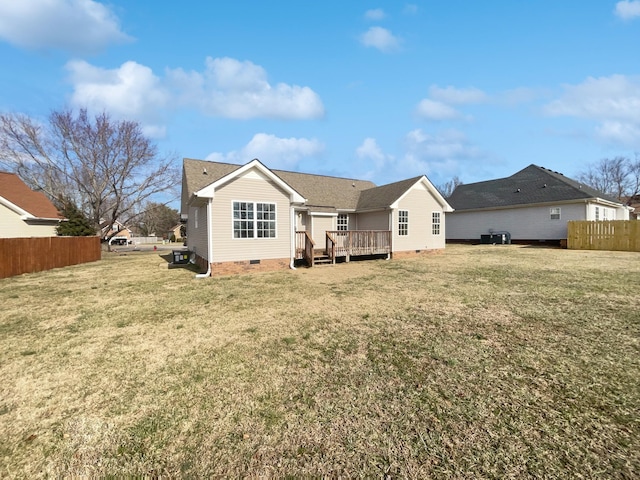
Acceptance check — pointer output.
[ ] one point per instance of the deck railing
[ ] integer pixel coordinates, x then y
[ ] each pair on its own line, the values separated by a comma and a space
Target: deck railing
304, 247
349, 243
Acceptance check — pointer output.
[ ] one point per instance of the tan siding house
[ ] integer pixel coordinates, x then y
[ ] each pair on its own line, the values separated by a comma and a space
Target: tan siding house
23, 212
255, 188
247, 217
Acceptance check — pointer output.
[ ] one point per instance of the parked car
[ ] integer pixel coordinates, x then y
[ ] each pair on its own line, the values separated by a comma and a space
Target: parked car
118, 241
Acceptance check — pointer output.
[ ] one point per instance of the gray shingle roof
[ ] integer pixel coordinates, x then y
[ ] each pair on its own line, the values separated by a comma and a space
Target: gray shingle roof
322, 192
532, 185
384, 195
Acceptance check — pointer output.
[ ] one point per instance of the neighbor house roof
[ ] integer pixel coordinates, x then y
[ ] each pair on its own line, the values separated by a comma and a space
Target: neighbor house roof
532, 185
29, 203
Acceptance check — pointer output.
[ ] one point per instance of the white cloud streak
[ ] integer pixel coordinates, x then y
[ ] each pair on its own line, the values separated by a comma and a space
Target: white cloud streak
226, 88
374, 14
76, 26
628, 9
233, 89
438, 105
613, 102
380, 38
276, 152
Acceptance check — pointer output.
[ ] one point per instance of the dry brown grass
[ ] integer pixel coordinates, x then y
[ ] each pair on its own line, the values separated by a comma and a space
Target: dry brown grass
484, 361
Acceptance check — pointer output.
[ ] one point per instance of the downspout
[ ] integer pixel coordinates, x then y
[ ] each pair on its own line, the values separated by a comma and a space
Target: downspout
390, 234
292, 243
209, 246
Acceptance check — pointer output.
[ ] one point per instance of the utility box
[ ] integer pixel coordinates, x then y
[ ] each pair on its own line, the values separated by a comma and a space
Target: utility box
497, 238
180, 256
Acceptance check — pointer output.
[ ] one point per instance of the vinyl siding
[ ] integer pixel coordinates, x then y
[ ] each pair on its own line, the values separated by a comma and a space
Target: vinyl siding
197, 237
12, 226
373, 221
420, 204
606, 213
528, 223
319, 228
251, 187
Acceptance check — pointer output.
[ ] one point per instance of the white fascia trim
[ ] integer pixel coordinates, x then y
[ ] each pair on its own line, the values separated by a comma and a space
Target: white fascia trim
209, 190
431, 189
610, 204
24, 215
323, 214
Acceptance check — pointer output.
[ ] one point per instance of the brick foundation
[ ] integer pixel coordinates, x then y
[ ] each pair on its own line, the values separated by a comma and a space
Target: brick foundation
416, 253
244, 266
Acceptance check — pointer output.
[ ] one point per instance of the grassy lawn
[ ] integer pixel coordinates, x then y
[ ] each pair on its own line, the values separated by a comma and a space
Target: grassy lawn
483, 361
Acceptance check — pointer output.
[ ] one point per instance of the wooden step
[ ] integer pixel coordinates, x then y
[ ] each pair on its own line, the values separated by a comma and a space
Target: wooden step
321, 260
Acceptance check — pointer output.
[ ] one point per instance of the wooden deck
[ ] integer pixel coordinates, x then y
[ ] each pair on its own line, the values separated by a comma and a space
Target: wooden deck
344, 244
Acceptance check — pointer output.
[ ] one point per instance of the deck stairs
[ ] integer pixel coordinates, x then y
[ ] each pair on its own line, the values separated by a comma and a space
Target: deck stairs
321, 258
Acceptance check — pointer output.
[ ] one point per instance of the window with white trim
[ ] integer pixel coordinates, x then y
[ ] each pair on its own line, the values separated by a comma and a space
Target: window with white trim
597, 213
343, 222
604, 213
254, 220
435, 223
403, 222
554, 213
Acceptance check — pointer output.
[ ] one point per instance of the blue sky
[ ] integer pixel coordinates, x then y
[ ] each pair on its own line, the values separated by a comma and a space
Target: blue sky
375, 90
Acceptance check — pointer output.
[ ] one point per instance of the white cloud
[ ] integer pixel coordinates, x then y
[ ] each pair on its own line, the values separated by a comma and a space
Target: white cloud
448, 144
628, 9
410, 9
131, 91
441, 153
370, 150
457, 96
380, 38
77, 26
227, 88
434, 110
276, 152
438, 106
234, 89
614, 102
374, 14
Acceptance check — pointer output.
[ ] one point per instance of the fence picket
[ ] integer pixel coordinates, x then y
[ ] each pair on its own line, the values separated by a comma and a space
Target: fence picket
28, 255
621, 235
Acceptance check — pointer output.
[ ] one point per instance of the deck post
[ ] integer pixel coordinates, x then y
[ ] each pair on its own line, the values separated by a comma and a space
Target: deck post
349, 243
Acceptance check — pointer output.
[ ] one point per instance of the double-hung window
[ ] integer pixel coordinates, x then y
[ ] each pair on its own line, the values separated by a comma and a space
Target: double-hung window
403, 222
435, 223
254, 220
554, 213
343, 222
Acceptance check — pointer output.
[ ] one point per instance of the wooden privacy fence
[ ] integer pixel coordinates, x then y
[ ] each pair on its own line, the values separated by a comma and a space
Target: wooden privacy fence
28, 255
621, 235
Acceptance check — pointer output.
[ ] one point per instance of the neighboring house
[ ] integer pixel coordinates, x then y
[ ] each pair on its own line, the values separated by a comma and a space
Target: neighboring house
23, 212
175, 232
532, 205
634, 204
242, 217
117, 229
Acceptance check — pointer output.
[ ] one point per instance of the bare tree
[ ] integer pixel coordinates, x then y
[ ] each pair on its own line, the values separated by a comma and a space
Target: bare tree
108, 168
446, 189
618, 177
158, 219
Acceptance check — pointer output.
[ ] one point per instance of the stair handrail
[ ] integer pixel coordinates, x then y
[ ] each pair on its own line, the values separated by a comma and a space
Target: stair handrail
330, 245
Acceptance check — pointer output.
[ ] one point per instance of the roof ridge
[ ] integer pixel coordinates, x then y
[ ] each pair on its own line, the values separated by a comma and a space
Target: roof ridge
280, 170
